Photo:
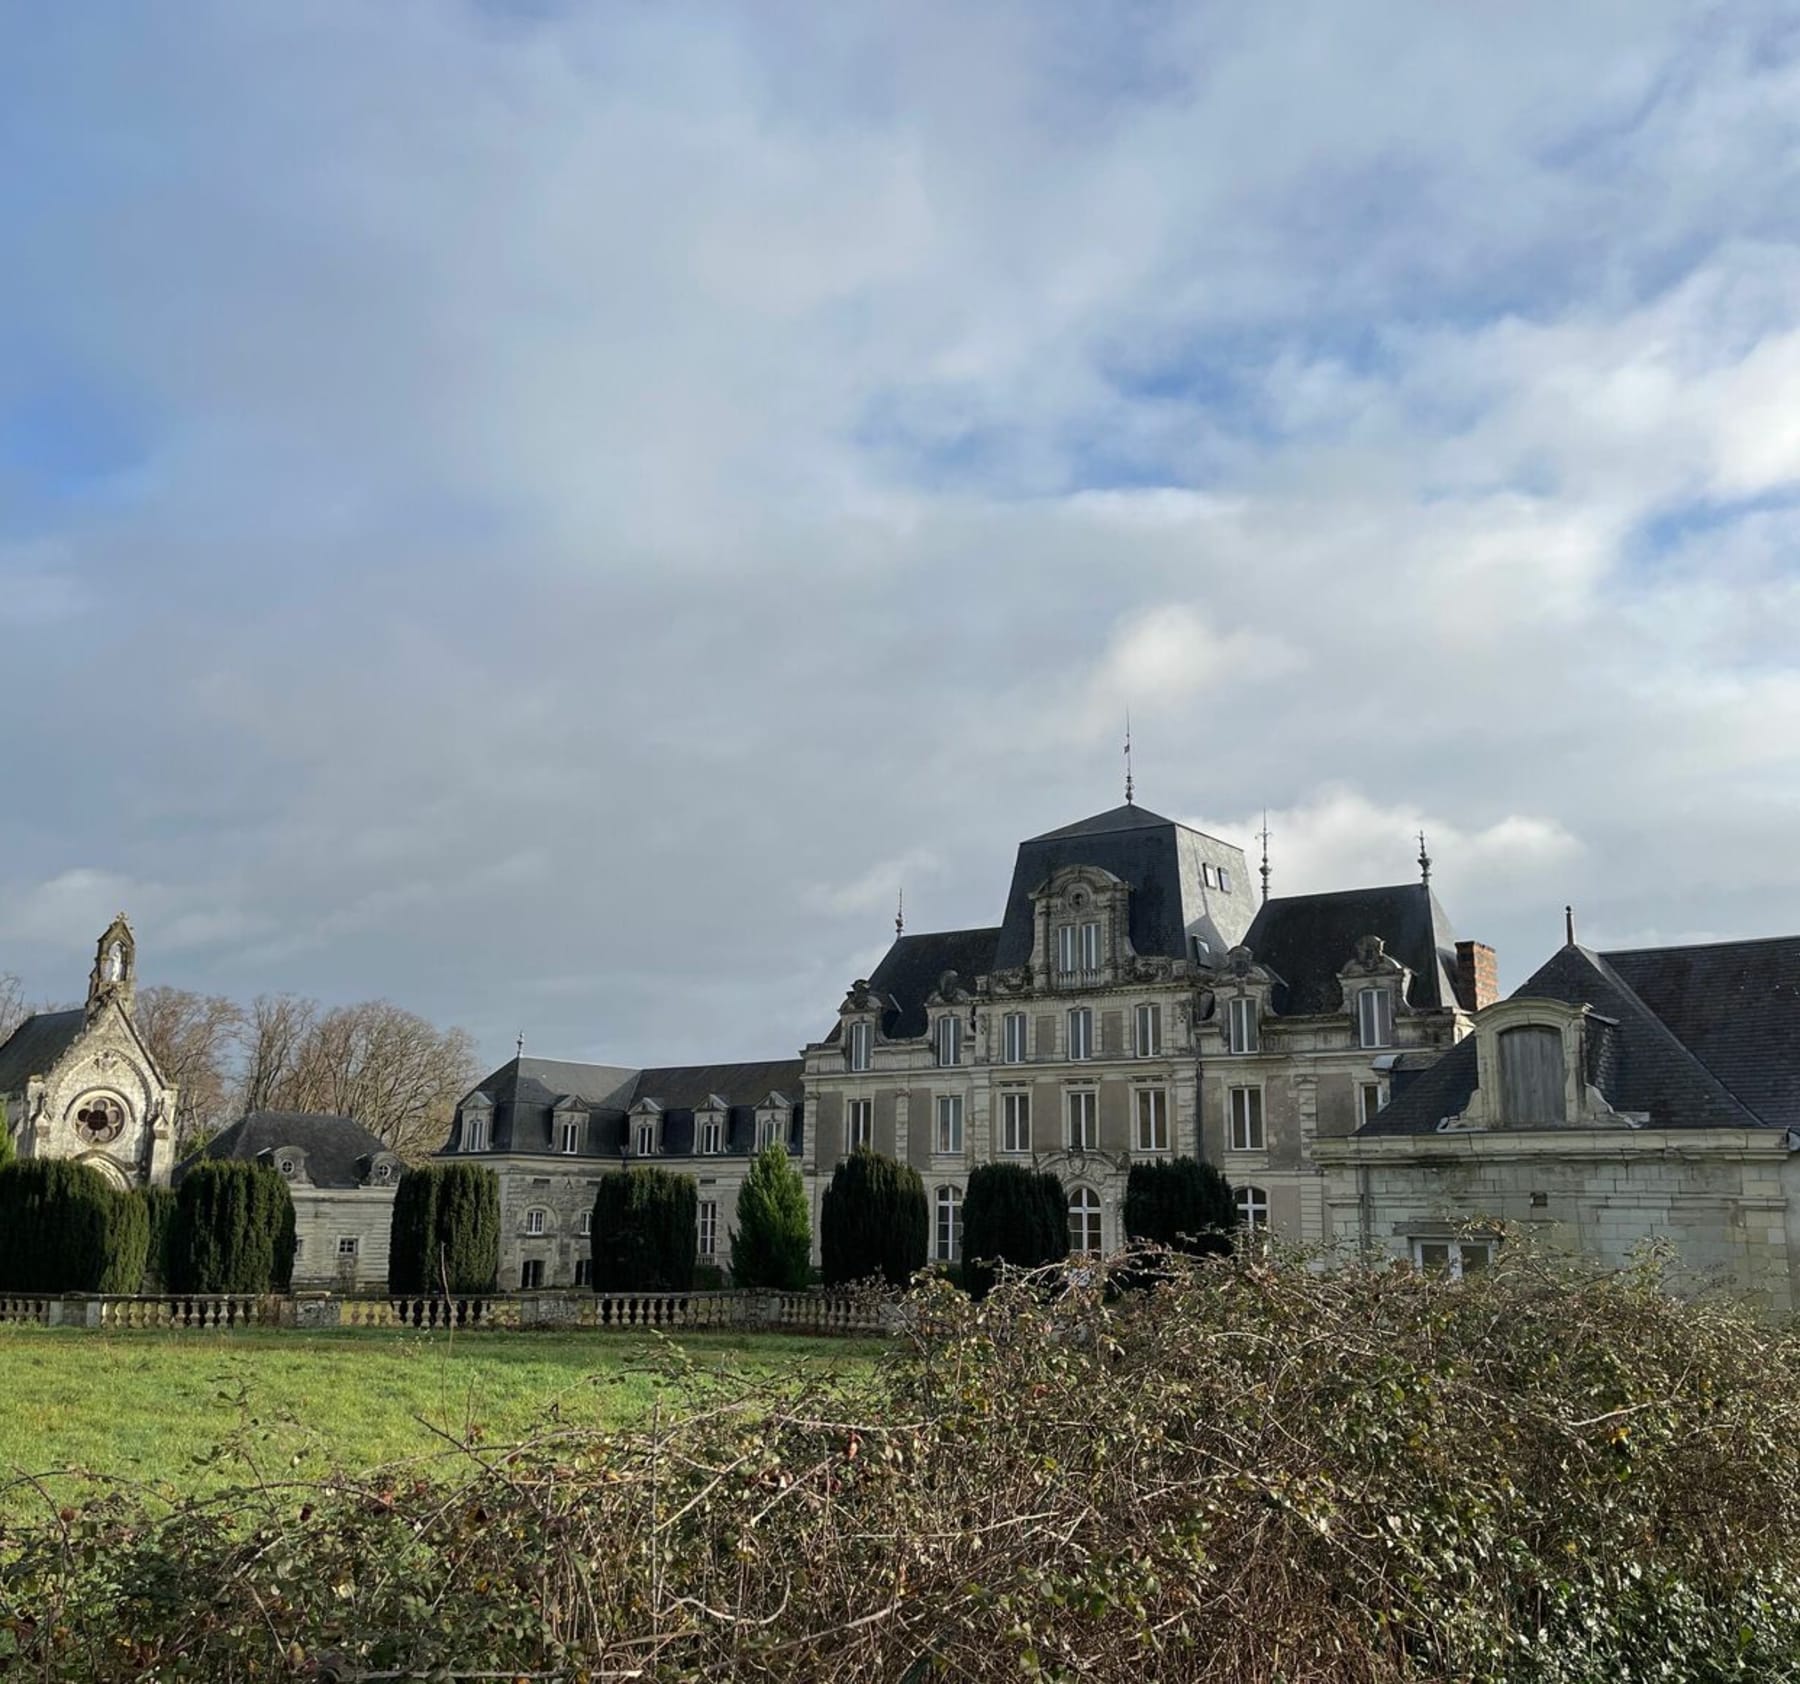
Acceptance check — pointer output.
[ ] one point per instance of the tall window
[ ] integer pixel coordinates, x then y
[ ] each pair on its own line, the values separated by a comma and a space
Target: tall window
1246, 1120
1081, 1033
584, 1271
475, 1131
531, 1274
1368, 1102
1152, 1120
862, 1123
1531, 1074
712, 1135
1090, 947
1253, 1208
949, 1122
1084, 1221
1084, 1120
862, 1040
1149, 1030
949, 1040
644, 1142
534, 1221
1013, 1028
586, 1226
569, 1136
1015, 1121
1078, 948
1240, 1018
949, 1225
707, 1241
1374, 1017
768, 1131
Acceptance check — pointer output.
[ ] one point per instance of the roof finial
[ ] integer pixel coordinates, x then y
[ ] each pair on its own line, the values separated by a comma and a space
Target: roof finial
900, 913
1264, 834
1424, 862
1569, 925
520, 1045
1128, 757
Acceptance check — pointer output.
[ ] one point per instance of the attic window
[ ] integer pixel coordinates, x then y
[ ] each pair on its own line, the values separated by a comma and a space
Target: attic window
384, 1172
712, 1136
1225, 880
1531, 1074
475, 1131
286, 1166
1374, 1017
569, 1136
862, 1036
644, 1142
1211, 877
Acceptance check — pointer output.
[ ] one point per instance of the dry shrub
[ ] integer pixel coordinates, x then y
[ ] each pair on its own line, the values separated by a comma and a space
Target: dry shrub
1253, 1471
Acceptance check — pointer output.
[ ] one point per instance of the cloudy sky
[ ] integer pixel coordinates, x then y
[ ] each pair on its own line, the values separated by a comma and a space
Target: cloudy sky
550, 513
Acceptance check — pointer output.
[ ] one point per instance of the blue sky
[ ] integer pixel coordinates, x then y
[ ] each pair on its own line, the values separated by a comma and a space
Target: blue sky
549, 513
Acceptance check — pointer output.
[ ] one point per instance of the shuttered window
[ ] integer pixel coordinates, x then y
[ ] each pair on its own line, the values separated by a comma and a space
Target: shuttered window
1531, 1075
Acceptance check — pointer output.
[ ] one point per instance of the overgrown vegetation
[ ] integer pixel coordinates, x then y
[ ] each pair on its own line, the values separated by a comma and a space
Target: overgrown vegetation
1249, 1472
644, 1231
1014, 1215
872, 1221
233, 1229
772, 1246
445, 1227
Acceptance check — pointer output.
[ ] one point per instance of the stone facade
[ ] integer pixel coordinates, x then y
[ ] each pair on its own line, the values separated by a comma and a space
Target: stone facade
82, 1084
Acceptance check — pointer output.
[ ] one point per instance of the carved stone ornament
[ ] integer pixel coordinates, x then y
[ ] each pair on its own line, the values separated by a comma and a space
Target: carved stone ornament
1151, 967
99, 1119
1014, 981
950, 990
1240, 961
861, 997
1371, 951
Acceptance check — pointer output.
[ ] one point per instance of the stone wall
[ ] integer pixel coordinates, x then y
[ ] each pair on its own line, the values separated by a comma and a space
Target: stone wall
326, 1219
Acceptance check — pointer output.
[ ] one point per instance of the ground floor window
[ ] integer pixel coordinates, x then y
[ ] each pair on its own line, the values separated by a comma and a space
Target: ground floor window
708, 1243
949, 1224
531, 1274
1253, 1208
1454, 1258
347, 1248
584, 1271
1084, 1220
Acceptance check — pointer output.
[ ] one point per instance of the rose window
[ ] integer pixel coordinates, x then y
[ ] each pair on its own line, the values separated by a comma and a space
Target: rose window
100, 1119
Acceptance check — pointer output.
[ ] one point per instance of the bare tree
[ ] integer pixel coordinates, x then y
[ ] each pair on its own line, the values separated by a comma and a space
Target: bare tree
12, 1005
396, 1074
193, 1038
270, 1037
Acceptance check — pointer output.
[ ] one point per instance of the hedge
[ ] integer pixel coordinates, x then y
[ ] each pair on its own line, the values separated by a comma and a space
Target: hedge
645, 1231
1181, 1203
445, 1225
873, 1221
773, 1243
233, 1229
1011, 1215
65, 1228
159, 1215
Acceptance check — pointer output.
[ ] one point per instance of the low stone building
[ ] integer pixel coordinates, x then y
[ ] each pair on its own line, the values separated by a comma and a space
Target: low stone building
551, 1128
83, 1084
342, 1179
1613, 1099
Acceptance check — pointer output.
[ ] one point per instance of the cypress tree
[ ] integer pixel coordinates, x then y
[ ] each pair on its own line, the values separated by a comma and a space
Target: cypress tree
1181, 1203
233, 1229
58, 1219
445, 1222
127, 1245
159, 1217
644, 1231
1011, 1215
873, 1221
773, 1243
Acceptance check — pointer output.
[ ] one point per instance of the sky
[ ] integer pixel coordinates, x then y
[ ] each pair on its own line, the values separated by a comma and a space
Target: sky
553, 513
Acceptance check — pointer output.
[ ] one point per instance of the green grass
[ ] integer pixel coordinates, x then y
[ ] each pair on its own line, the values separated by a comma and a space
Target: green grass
182, 1411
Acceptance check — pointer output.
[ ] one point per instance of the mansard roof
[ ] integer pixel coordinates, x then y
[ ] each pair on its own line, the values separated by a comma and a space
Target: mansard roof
34, 1047
909, 972
1307, 939
1736, 1006
1634, 1059
333, 1145
1162, 861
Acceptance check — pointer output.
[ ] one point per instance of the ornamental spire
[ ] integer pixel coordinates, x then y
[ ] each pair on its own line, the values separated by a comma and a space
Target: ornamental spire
1424, 862
1264, 835
1128, 800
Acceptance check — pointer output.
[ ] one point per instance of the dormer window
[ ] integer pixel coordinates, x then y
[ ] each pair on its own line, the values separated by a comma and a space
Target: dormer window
712, 1135
862, 1042
1078, 948
768, 1131
1210, 876
475, 1131
1374, 1017
1242, 1023
568, 1136
384, 1172
949, 1040
644, 1138
1531, 1074
287, 1166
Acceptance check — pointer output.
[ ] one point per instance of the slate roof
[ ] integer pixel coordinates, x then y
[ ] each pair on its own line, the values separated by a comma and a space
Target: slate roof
1635, 1060
332, 1144
911, 969
36, 1045
1735, 1005
1307, 939
1162, 861
525, 1092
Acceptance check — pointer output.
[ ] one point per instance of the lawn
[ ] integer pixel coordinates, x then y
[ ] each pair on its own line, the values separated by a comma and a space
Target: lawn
183, 1411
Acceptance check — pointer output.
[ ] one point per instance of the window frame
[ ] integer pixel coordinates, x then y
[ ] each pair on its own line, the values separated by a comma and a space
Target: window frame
348, 1246
862, 1044
947, 1041
643, 1138
946, 1224
531, 1274
1243, 1025
1084, 1016
1015, 1121
1089, 1110
475, 1131
712, 1136
1382, 1011
1090, 1206
1014, 1048
1455, 1263
585, 1230
1239, 1128
568, 1134
1252, 1208
706, 1228
1158, 1108
1366, 1113
947, 1126
537, 1220
1091, 946
859, 1123
1148, 1012
1067, 950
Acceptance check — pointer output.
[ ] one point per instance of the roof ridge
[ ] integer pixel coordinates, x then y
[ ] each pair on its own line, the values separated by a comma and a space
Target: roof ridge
1698, 946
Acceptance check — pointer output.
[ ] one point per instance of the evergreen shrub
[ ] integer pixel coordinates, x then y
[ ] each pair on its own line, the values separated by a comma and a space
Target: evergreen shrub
233, 1229
445, 1224
873, 1221
1180, 1203
645, 1231
159, 1217
773, 1243
60, 1223
1011, 1215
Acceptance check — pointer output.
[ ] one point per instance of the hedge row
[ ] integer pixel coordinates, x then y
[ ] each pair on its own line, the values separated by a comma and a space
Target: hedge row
445, 1228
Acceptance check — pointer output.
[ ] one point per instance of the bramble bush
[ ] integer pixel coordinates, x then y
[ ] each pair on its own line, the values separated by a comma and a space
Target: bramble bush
1251, 1471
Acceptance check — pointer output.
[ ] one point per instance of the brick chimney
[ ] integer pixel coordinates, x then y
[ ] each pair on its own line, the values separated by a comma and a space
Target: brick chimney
1477, 975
